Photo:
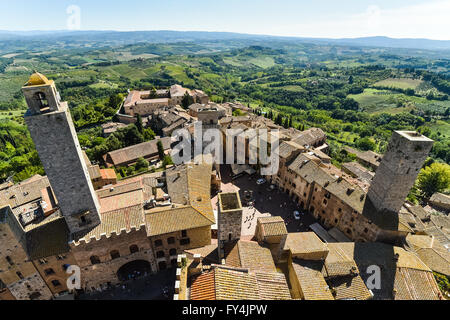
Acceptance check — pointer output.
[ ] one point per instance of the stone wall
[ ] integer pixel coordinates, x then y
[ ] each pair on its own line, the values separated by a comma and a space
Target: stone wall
96, 275
397, 173
58, 264
171, 244
59, 150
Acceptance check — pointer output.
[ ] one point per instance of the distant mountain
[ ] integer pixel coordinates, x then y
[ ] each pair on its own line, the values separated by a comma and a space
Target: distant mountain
188, 36
396, 43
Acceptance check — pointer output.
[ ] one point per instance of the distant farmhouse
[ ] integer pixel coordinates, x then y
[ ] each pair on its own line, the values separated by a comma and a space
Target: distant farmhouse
130, 155
147, 102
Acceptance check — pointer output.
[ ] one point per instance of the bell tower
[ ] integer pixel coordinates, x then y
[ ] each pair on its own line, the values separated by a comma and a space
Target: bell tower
53, 133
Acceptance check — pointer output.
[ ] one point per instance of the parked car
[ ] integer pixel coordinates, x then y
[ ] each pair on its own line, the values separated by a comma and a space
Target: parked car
261, 181
297, 215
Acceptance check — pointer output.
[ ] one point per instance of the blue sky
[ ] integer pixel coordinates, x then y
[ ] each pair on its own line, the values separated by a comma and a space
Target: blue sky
308, 18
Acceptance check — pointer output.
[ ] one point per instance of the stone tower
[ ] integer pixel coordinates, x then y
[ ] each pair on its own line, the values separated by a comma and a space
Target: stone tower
398, 171
229, 220
53, 133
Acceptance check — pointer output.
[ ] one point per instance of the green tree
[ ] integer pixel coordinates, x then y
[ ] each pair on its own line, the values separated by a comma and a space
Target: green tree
432, 179
167, 161
187, 100
142, 164
366, 144
160, 150
139, 124
114, 101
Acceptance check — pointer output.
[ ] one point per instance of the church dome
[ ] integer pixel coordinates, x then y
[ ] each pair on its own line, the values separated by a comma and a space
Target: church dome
37, 79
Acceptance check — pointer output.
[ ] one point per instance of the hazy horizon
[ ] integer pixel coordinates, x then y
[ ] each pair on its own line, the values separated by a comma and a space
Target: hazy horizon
411, 19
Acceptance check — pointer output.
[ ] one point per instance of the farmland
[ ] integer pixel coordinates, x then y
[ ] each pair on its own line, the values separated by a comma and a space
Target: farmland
351, 94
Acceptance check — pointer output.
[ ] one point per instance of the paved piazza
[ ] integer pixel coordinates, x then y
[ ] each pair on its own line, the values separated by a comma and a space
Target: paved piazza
267, 202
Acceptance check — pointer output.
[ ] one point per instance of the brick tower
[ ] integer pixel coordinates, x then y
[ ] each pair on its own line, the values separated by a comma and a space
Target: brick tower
398, 171
53, 133
229, 220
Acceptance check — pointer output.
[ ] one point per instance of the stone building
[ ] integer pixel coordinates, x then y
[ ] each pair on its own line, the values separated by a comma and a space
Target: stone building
53, 132
134, 216
146, 103
18, 276
368, 159
130, 155
404, 157
440, 201
229, 220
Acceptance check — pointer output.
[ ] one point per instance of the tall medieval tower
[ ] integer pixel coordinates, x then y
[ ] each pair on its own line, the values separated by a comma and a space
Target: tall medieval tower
229, 220
398, 171
53, 133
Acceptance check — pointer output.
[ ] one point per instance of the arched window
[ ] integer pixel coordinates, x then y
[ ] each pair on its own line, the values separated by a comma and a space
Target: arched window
160, 254
95, 260
41, 100
173, 252
134, 248
115, 254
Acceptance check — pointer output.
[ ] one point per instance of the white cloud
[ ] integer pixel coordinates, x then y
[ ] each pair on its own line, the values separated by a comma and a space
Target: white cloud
428, 20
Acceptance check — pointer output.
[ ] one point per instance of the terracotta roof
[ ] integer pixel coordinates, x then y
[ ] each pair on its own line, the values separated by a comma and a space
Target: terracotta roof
286, 148
399, 270
358, 171
199, 189
25, 192
203, 286
310, 171
305, 243
255, 257
431, 252
133, 153
208, 253
272, 286
121, 188
349, 288
310, 137
312, 283
122, 200
367, 156
411, 284
94, 172
233, 284
108, 174
171, 220
272, 226
440, 199
190, 187
117, 220
231, 254
348, 193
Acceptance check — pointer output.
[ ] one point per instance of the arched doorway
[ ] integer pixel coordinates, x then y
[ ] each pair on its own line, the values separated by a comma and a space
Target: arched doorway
134, 269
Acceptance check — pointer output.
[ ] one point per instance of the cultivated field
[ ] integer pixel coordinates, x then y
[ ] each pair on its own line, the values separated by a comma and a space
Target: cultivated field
400, 83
